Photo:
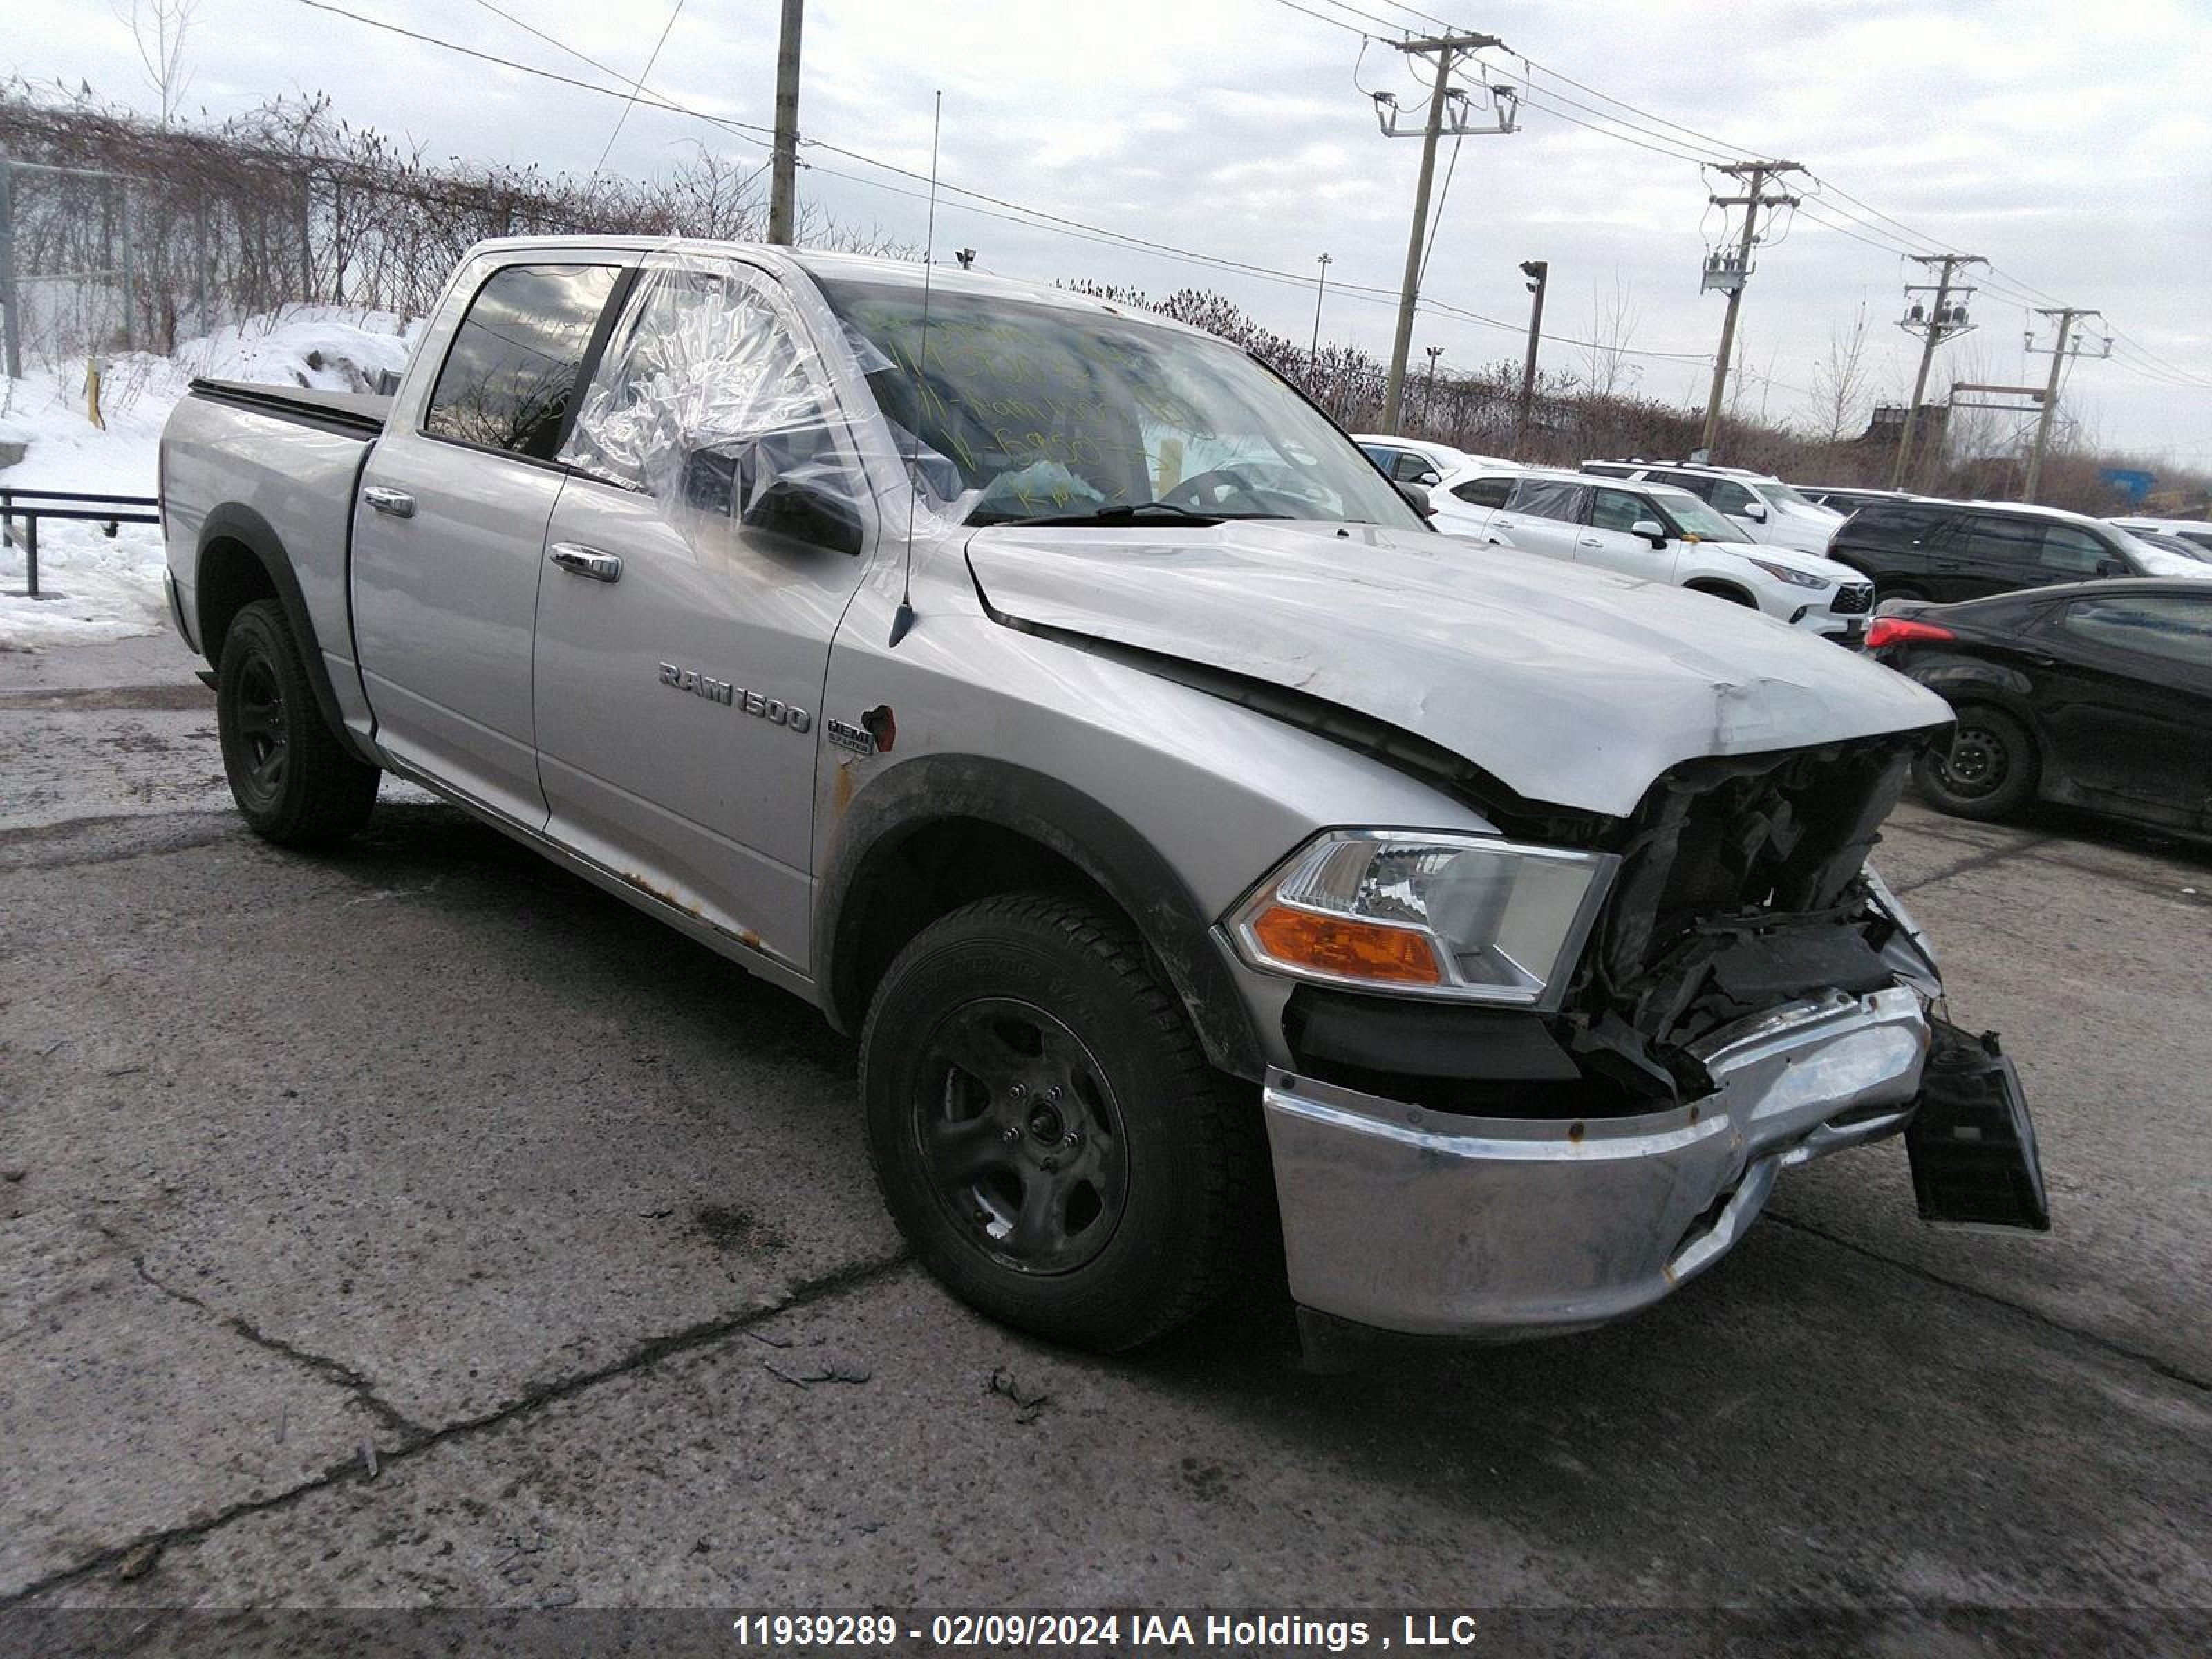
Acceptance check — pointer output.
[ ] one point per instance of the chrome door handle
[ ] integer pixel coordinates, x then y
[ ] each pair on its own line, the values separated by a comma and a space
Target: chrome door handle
579, 561
398, 502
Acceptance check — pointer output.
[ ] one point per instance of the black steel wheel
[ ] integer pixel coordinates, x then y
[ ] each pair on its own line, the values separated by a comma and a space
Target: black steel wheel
1019, 1132
294, 781
1988, 769
1045, 1128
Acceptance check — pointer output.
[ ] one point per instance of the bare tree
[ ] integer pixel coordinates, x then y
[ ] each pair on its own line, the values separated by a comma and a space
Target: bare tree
158, 28
1613, 326
1841, 381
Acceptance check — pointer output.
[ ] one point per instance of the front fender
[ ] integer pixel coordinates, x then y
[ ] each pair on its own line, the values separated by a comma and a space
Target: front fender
931, 789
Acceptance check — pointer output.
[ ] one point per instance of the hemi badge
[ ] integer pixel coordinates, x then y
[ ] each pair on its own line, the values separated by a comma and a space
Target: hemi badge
846, 735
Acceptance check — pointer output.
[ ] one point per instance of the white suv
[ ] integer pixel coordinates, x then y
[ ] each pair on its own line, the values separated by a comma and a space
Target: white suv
2188, 530
1767, 509
1657, 532
1417, 460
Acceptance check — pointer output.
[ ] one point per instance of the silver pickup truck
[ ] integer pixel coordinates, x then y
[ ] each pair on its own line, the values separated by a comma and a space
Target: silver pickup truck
1212, 858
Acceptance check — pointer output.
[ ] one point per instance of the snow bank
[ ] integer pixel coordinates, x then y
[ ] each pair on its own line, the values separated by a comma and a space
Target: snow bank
111, 589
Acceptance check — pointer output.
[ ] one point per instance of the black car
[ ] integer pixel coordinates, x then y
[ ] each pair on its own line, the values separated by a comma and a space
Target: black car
2096, 694
1948, 551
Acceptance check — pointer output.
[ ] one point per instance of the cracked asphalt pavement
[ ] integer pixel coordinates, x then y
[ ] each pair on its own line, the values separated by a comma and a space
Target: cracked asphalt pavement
414, 1226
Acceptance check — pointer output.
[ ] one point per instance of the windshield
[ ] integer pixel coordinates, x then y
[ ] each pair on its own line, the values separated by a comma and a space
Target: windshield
1692, 517
1052, 412
1789, 497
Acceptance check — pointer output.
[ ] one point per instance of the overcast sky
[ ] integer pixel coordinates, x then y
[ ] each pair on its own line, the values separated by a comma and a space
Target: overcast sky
2070, 143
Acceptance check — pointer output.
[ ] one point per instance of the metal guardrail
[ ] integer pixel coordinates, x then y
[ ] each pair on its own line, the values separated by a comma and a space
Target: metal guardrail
106, 508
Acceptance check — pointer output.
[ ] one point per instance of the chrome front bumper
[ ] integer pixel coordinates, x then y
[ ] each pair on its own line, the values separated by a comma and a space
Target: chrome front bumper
1410, 1219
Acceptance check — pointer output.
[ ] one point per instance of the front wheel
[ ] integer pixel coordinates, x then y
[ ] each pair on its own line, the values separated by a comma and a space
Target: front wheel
1989, 771
1045, 1129
294, 782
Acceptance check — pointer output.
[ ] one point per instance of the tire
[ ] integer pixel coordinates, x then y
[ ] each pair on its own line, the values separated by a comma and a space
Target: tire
1989, 770
1035, 1018
294, 782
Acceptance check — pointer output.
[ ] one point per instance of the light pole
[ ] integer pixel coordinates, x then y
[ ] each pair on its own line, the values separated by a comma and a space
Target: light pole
1538, 272
1313, 350
1428, 397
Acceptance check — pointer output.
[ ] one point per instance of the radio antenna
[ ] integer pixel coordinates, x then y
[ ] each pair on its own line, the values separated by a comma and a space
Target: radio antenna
902, 618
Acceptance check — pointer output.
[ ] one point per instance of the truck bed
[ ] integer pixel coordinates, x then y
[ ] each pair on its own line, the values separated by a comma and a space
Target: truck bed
357, 414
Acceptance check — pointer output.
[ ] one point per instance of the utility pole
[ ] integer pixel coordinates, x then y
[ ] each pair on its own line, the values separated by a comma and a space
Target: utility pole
2067, 316
1940, 322
783, 180
1538, 272
1429, 396
1313, 350
1730, 274
1447, 50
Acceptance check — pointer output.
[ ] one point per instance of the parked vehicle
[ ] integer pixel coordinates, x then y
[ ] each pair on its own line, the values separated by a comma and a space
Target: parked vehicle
1657, 532
1847, 499
1767, 509
2198, 552
2094, 694
1417, 460
2195, 530
1949, 551
1056, 701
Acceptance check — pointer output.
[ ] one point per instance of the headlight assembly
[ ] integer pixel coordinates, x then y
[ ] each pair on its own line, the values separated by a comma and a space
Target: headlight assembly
1782, 572
1471, 918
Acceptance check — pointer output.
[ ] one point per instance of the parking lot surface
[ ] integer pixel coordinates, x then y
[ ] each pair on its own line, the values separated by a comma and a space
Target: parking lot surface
414, 1224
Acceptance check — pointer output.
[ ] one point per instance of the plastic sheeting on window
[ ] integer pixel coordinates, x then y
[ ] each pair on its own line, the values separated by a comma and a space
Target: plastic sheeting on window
708, 401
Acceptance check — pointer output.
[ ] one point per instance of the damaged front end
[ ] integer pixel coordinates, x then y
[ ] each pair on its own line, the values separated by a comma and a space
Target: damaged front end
1751, 997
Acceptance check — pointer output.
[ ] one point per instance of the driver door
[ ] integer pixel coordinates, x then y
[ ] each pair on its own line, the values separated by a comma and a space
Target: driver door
683, 632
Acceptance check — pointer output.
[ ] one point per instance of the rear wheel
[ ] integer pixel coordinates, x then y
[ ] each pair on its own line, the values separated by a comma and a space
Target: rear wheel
1045, 1129
294, 782
1989, 770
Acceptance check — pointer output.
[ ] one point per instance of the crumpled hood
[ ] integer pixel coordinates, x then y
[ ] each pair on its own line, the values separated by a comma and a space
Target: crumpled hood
1571, 686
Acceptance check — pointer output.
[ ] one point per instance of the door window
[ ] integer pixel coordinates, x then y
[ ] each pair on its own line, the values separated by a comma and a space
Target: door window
510, 372
1729, 498
2014, 543
1412, 468
2077, 552
1543, 498
702, 400
2173, 627
1484, 492
1616, 509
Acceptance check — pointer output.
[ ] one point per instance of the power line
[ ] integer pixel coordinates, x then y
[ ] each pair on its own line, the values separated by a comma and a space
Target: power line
636, 87
1324, 17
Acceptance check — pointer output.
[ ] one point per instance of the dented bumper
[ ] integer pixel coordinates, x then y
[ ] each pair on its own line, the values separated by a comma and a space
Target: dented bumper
1409, 1219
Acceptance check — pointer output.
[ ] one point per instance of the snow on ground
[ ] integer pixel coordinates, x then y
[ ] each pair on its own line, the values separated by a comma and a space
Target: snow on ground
113, 588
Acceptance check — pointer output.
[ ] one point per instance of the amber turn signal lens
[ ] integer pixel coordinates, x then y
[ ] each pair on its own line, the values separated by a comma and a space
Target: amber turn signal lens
1346, 948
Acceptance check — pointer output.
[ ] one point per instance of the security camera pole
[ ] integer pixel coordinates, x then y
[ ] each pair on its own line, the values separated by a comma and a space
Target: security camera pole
1937, 327
1731, 276
1447, 50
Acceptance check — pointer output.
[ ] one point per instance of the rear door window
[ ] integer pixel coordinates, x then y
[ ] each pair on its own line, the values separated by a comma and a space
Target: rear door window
2014, 544
510, 377
1546, 498
2173, 627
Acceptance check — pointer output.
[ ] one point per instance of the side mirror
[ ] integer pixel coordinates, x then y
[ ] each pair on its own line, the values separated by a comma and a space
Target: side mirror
1429, 480
805, 513
1755, 511
1417, 498
2112, 567
1650, 530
